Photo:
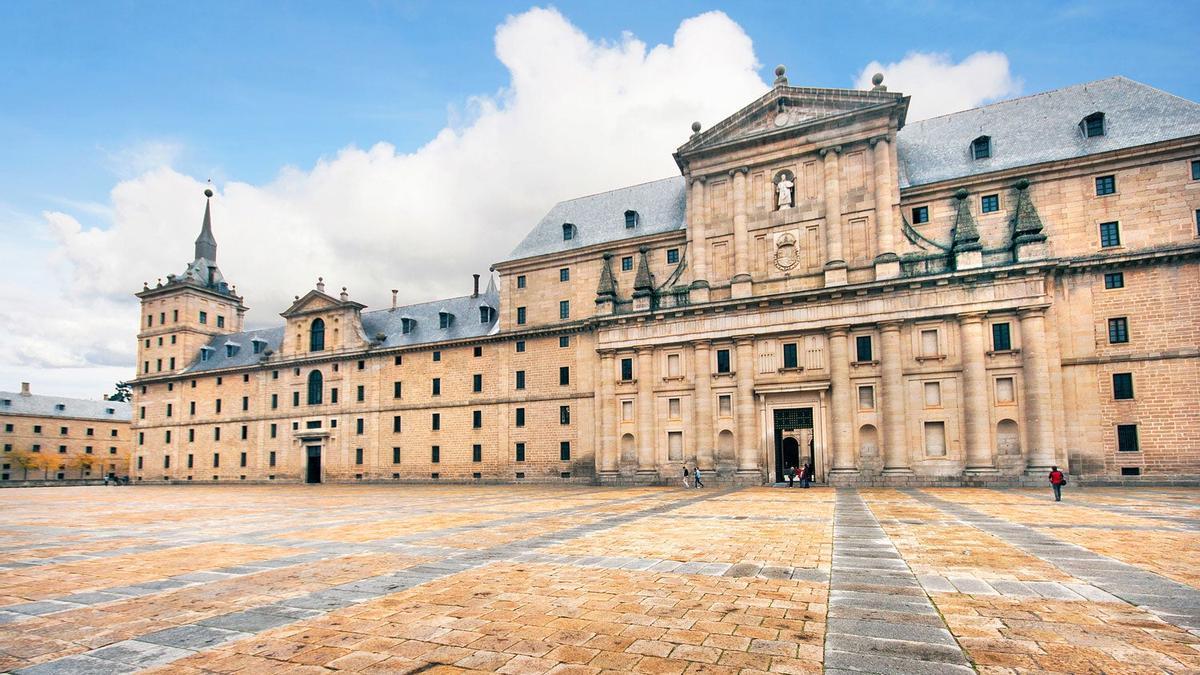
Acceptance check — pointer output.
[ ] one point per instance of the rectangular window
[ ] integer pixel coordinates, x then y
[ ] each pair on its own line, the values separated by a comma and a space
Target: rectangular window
358, 455
435, 454
933, 394
520, 452
295, 399
361, 393
216, 460
564, 414
1122, 386
564, 375
477, 352
626, 370
246, 402
359, 424
674, 365
245, 431
989, 203
674, 408
396, 424
520, 417
476, 453
139, 462
725, 405
220, 321
477, 419
1118, 330
477, 382
564, 451
520, 346
564, 341
564, 309
626, 411
1114, 280
218, 406
395, 455
1001, 337
398, 361
672, 256
1106, 185
191, 461
243, 459
935, 439
437, 421
216, 433
627, 263
274, 402
920, 215
1110, 234
520, 379
675, 446
564, 274
203, 317
397, 390
1127, 438
862, 349
437, 355
191, 435
437, 386
1005, 390
866, 398
520, 281
520, 316
333, 394
723, 361
790, 357
274, 430
271, 458
1196, 169
929, 342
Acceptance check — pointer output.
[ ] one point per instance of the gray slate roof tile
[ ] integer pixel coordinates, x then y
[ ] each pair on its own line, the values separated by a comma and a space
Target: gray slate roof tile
46, 406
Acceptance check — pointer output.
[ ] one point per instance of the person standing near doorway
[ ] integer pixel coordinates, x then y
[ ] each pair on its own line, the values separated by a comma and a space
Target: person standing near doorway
696, 475
791, 475
806, 475
1057, 481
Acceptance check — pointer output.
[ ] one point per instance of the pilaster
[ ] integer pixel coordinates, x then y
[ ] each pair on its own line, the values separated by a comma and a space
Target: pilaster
609, 453
887, 263
698, 257
741, 285
704, 405
645, 389
835, 262
895, 440
980, 457
747, 440
839, 383
1041, 455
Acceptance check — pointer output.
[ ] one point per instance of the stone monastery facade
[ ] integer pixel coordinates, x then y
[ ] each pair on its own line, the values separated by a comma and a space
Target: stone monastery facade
971, 298
59, 438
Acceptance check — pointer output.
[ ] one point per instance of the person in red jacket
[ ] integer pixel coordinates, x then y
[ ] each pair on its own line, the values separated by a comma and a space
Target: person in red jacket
1057, 480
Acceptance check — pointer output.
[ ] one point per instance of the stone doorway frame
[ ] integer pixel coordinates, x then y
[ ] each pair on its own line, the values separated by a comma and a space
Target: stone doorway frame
813, 395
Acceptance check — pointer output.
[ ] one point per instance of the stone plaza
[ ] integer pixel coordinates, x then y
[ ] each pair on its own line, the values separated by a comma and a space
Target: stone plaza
579, 579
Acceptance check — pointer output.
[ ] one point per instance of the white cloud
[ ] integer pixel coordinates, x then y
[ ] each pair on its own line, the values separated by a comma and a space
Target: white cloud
939, 86
142, 156
578, 116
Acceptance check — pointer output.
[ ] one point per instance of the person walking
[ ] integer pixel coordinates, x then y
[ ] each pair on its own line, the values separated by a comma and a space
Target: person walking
791, 475
696, 476
806, 475
1057, 481
685, 477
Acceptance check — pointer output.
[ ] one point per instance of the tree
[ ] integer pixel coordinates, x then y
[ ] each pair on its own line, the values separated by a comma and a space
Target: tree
45, 463
85, 463
26, 460
123, 392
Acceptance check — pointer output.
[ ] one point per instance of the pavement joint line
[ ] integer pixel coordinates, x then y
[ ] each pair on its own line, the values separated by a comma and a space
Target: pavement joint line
1175, 603
857, 636
204, 636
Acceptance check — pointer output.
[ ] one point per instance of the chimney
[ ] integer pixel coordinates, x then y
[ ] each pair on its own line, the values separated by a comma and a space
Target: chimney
25, 389
394, 293
476, 293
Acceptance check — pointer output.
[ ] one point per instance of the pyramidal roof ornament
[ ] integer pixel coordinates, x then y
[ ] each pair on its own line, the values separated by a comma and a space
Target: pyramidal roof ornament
206, 244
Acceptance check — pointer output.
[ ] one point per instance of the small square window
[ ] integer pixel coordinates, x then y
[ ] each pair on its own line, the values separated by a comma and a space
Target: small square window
920, 215
1110, 234
1127, 438
564, 341
989, 203
672, 256
1106, 185
627, 263
520, 346
437, 356
478, 352
520, 281
1093, 125
1122, 386
564, 274
1114, 280
1118, 330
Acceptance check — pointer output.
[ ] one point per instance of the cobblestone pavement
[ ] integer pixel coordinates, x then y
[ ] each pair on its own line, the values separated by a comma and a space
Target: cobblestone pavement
527, 579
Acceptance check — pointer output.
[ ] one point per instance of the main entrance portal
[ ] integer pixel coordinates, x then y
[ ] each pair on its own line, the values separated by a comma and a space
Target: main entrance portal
314, 464
794, 441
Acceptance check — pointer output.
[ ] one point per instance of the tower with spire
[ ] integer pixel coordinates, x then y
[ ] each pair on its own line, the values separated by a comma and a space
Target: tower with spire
181, 314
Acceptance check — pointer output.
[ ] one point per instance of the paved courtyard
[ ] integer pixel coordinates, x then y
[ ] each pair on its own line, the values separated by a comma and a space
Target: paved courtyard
524, 579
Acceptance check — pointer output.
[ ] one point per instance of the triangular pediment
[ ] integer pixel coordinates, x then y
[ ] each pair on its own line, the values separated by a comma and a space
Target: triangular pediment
786, 109
316, 301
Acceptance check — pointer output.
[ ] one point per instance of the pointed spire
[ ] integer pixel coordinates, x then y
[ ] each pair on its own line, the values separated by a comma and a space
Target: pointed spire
206, 244
643, 282
1026, 223
966, 233
607, 288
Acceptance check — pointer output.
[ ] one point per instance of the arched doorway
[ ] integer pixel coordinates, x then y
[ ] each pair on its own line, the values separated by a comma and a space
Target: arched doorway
791, 455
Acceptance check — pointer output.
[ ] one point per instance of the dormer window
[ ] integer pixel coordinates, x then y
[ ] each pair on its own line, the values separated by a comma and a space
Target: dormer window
59, 407
231, 348
205, 353
7, 401
1092, 125
407, 325
568, 231
631, 219
110, 411
445, 319
981, 148
316, 336
485, 314
258, 344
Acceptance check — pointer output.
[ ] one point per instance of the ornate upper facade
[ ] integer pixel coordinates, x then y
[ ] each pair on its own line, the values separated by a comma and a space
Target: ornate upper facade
973, 297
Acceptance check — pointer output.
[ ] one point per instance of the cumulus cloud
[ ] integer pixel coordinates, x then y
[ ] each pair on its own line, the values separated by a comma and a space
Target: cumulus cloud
577, 116
939, 86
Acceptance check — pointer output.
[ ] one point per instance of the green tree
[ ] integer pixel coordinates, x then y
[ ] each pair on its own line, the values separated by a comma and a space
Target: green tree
123, 392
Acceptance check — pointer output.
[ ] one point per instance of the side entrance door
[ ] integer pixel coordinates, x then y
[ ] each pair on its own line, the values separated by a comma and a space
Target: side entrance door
313, 474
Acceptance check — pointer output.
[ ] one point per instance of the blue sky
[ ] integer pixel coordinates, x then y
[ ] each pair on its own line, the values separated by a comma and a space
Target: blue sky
345, 139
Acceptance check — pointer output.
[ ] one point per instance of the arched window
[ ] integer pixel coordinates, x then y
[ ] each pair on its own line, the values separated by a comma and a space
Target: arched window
1092, 125
316, 336
631, 219
981, 148
568, 231
315, 387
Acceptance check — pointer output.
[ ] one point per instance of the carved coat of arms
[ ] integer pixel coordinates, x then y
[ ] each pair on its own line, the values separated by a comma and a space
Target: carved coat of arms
787, 251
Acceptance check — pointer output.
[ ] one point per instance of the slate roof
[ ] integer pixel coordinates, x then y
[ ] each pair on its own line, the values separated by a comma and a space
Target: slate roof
466, 324
600, 218
1043, 128
46, 406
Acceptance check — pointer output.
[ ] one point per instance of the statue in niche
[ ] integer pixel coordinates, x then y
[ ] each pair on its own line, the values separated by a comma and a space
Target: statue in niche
785, 191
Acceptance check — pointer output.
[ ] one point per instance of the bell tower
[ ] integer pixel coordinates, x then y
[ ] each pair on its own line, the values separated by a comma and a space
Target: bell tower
181, 316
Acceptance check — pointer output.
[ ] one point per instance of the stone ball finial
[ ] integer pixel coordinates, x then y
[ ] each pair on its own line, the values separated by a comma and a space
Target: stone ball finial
961, 193
780, 70
877, 79
208, 192
695, 127
1021, 184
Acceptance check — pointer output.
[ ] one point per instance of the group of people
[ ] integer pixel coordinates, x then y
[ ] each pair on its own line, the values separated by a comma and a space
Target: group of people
804, 474
693, 477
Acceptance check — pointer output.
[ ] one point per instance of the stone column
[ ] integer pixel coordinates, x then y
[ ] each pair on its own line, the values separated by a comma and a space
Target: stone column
740, 284
887, 263
895, 438
703, 426
609, 453
1041, 454
698, 256
976, 402
835, 262
842, 406
647, 462
747, 440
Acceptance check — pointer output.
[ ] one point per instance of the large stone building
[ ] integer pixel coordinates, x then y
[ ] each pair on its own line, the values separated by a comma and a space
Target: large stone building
58, 438
969, 298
